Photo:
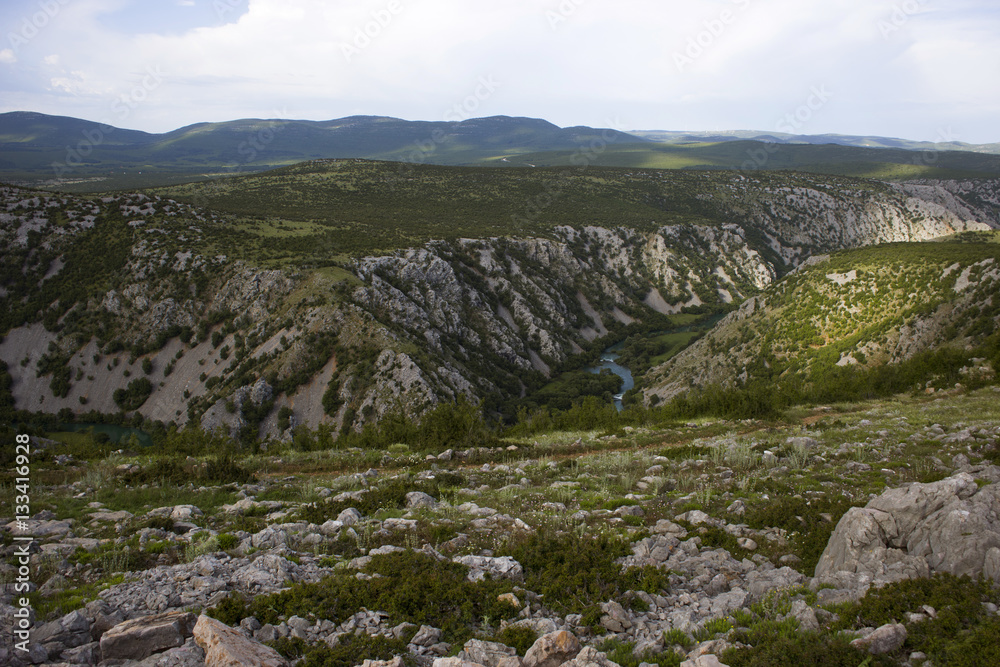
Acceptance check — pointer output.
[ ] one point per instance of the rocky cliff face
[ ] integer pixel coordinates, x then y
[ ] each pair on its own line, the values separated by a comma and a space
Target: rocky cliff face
93, 288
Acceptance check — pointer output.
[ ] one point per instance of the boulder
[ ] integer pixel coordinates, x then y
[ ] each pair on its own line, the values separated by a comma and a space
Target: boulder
590, 657
885, 639
349, 517
488, 654
615, 618
227, 647
140, 638
455, 662
426, 636
704, 661
499, 568
415, 499
552, 650
947, 526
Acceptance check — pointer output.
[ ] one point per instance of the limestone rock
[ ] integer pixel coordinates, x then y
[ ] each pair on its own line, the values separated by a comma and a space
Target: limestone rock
499, 568
590, 657
141, 637
946, 526
552, 650
415, 499
488, 654
886, 639
704, 661
226, 647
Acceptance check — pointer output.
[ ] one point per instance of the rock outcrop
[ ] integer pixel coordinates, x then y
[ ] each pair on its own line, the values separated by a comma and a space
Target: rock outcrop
948, 526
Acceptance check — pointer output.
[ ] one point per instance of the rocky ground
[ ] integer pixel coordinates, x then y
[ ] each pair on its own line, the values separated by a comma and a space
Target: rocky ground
729, 528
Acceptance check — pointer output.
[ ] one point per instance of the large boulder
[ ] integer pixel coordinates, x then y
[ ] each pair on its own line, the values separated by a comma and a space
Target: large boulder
489, 654
140, 638
947, 526
552, 650
227, 647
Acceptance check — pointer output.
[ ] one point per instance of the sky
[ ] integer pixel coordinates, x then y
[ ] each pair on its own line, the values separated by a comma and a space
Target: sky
917, 69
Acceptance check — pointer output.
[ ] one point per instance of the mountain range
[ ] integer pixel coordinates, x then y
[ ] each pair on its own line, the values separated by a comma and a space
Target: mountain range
75, 154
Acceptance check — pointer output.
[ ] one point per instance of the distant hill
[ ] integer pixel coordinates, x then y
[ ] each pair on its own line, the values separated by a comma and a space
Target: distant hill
852, 325
79, 155
39, 148
858, 141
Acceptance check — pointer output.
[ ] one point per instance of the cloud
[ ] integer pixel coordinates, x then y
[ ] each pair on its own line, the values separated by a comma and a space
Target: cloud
571, 61
8, 57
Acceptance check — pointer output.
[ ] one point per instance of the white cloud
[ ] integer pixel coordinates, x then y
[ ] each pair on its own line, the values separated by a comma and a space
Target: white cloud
596, 61
8, 57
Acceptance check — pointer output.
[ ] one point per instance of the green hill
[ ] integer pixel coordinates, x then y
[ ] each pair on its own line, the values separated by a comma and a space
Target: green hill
77, 155
853, 325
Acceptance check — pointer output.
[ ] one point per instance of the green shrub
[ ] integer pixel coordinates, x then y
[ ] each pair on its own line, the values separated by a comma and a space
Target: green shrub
413, 587
811, 532
576, 574
518, 637
134, 396
228, 541
779, 647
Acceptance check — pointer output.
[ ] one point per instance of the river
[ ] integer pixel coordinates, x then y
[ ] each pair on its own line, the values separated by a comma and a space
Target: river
608, 361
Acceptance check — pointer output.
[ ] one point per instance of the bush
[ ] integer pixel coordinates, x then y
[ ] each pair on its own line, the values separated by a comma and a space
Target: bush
518, 637
133, 397
413, 587
576, 574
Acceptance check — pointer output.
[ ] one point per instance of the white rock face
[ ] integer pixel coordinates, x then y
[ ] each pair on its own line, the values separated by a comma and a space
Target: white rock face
948, 526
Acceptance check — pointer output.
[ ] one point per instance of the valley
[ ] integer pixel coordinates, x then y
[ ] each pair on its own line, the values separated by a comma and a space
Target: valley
347, 376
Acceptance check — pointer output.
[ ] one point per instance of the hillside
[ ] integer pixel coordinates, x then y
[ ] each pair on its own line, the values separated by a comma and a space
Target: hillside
855, 323
681, 137
312, 314
70, 154
83, 155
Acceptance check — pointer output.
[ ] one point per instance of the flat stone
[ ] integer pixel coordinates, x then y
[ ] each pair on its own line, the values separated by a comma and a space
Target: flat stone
227, 647
141, 637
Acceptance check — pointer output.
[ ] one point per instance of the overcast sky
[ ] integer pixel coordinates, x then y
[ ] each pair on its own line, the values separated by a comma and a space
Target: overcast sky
918, 69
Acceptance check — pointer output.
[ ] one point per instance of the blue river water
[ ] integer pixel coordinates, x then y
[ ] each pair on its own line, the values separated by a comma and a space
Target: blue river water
609, 361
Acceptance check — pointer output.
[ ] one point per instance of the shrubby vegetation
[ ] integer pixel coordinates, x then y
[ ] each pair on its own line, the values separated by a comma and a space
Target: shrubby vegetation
412, 587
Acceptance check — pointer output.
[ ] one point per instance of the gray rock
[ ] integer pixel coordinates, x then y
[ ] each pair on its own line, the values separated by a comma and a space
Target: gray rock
189, 655
426, 636
488, 654
885, 639
88, 654
805, 615
415, 499
552, 650
226, 647
142, 637
946, 526
350, 517
703, 661
590, 657
504, 567
615, 618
